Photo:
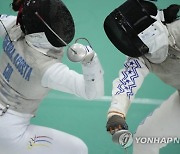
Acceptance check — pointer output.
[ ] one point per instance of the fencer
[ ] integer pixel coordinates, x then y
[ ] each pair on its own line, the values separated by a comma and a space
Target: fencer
30, 66
150, 38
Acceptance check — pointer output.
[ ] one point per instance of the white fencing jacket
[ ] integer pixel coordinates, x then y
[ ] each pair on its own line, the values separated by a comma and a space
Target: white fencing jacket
135, 70
27, 72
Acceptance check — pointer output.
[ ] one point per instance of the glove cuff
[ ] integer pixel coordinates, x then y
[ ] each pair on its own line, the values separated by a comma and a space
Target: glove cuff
111, 113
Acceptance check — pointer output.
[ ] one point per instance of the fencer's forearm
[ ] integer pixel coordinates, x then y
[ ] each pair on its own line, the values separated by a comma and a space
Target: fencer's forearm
92, 70
93, 77
6, 23
126, 86
60, 77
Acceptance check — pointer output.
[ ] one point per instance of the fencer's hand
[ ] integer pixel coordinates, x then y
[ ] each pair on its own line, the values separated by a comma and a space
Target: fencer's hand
89, 55
116, 123
80, 53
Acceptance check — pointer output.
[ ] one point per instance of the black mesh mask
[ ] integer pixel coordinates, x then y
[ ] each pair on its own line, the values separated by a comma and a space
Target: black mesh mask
55, 14
123, 25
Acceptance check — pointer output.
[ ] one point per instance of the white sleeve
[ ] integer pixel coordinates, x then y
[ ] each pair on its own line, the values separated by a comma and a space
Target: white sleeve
126, 85
6, 23
90, 85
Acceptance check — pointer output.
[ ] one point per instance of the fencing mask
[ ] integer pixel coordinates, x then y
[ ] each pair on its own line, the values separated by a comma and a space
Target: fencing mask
54, 13
127, 25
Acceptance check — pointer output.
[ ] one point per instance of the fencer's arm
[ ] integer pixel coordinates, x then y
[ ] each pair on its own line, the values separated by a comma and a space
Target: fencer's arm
89, 85
6, 22
126, 86
93, 78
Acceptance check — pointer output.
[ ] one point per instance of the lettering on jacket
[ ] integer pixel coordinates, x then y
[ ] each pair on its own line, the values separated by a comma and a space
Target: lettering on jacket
17, 60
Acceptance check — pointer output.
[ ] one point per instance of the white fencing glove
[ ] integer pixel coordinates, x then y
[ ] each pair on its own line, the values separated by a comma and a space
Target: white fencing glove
80, 53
